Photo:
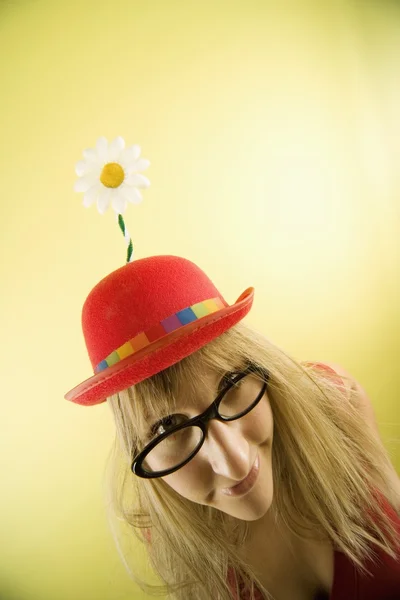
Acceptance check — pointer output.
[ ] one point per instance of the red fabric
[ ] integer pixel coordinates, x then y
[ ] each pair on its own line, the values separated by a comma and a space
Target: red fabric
242, 595
158, 356
137, 296
384, 581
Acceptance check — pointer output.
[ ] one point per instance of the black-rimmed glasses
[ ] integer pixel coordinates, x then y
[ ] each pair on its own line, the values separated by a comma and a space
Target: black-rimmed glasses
178, 444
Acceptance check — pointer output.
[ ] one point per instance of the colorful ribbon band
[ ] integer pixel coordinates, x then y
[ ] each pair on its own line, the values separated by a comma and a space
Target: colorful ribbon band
172, 323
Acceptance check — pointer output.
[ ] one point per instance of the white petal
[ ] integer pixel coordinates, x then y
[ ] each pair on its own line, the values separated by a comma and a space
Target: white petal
91, 195
115, 148
85, 182
102, 148
82, 167
103, 199
127, 192
129, 155
136, 150
137, 180
119, 204
131, 194
139, 165
90, 154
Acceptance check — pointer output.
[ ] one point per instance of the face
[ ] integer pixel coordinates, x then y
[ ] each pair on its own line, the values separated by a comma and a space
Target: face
226, 458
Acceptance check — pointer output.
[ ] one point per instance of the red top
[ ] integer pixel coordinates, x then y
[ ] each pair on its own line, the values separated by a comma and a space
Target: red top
384, 581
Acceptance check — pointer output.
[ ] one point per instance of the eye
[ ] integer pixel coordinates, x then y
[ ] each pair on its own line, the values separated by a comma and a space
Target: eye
238, 383
165, 424
228, 378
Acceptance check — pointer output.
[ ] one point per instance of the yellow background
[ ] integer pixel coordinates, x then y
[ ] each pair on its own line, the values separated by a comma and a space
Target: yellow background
273, 132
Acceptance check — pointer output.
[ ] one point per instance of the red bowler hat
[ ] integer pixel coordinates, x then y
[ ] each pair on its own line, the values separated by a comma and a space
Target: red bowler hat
145, 317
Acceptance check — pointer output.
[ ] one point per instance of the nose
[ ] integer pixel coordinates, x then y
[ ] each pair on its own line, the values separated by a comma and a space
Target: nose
227, 450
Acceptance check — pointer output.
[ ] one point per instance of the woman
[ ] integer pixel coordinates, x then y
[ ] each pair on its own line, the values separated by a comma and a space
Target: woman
245, 473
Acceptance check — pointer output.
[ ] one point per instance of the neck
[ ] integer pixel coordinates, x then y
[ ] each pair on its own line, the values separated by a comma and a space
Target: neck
293, 566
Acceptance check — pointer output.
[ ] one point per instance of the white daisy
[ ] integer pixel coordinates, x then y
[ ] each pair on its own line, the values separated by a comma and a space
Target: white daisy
110, 174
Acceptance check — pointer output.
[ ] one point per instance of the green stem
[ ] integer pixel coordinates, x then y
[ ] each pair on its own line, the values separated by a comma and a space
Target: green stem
130, 246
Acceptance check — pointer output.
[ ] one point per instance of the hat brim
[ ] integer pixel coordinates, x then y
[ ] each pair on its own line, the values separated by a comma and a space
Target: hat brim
161, 354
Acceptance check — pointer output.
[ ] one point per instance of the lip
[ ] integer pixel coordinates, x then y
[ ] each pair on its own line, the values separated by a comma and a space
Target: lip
248, 482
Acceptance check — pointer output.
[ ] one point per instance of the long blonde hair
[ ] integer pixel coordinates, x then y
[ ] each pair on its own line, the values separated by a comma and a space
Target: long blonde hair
327, 468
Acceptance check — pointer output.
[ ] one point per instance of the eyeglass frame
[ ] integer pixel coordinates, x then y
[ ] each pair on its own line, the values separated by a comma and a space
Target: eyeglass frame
201, 421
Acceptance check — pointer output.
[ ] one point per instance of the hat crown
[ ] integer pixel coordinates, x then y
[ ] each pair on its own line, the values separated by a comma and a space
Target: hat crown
137, 297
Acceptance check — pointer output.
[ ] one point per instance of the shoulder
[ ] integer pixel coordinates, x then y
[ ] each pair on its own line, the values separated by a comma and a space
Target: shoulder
359, 397
357, 394
353, 391
336, 373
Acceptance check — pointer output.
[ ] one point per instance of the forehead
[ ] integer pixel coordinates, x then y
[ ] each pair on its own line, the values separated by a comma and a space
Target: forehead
194, 388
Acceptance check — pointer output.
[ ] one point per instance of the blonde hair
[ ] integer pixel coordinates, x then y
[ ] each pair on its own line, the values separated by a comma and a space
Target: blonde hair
327, 468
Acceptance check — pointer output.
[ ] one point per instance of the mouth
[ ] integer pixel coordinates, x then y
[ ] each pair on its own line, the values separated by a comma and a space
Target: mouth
248, 482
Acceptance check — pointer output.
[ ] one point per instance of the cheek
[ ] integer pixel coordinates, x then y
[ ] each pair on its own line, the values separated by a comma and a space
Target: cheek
187, 482
261, 422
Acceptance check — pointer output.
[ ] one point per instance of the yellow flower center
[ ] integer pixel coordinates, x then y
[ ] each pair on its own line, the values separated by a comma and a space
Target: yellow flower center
112, 175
